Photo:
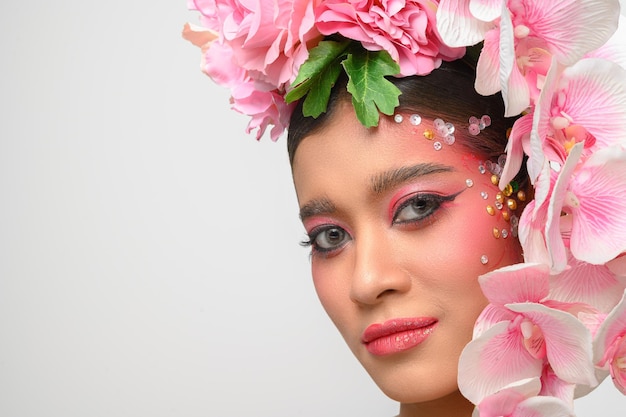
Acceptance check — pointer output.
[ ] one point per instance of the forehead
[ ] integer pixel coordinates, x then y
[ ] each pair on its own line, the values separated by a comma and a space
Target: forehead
347, 151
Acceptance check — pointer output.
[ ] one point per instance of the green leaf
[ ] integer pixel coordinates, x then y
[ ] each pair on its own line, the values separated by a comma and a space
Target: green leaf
317, 75
371, 91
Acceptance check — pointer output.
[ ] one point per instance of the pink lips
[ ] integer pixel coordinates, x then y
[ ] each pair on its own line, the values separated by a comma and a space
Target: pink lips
397, 335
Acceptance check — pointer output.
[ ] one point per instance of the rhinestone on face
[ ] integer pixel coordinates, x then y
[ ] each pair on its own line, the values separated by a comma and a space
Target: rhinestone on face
449, 140
508, 190
505, 233
499, 205
500, 197
521, 195
494, 179
429, 134
437, 145
484, 259
469, 182
511, 204
398, 118
506, 216
491, 210
482, 169
415, 119
496, 233
484, 195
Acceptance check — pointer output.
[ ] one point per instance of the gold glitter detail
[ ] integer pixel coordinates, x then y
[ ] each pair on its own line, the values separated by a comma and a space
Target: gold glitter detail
512, 204
506, 215
429, 134
521, 195
500, 197
496, 233
508, 190
491, 210
495, 179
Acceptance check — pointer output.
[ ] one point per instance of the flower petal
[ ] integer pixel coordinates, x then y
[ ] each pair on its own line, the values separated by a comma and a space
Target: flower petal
505, 401
488, 66
598, 235
572, 28
543, 407
456, 25
494, 360
518, 283
568, 342
613, 327
585, 283
485, 10
514, 149
554, 240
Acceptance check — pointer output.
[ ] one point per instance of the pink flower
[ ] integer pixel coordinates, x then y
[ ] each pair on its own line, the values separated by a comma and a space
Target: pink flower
254, 98
521, 399
405, 29
610, 345
269, 39
521, 36
520, 332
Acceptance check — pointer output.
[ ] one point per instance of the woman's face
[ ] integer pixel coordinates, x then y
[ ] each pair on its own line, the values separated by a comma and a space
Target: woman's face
397, 237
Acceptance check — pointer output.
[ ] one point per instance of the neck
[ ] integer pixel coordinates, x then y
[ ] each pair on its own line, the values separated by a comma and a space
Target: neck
453, 405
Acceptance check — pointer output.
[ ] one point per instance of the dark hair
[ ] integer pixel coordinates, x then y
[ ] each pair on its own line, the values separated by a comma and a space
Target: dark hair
448, 93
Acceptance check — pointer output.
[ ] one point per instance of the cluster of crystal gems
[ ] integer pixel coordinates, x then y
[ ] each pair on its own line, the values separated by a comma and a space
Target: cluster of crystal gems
505, 201
442, 132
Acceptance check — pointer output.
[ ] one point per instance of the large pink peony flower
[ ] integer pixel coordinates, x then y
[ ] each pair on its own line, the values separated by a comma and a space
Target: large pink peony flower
254, 98
269, 39
406, 29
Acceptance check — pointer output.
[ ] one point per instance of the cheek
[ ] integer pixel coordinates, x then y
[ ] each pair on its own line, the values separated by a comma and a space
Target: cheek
330, 288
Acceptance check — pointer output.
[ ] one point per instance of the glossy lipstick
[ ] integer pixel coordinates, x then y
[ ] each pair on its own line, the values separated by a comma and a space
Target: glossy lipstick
397, 335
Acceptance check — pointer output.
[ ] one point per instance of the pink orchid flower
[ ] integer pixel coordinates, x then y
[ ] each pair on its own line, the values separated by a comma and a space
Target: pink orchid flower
581, 212
520, 332
520, 40
610, 345
404, 28
522, 399
584, 103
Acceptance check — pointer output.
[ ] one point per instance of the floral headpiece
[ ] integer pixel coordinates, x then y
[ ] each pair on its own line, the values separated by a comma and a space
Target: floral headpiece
555, 325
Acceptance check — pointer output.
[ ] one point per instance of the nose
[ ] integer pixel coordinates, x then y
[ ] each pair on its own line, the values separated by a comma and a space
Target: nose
378, 272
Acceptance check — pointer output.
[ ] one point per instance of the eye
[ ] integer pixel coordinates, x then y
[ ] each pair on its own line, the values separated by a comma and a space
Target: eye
420, 207
326, 239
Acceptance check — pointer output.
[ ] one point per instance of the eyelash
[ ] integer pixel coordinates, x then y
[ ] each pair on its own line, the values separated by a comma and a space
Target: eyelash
434, 202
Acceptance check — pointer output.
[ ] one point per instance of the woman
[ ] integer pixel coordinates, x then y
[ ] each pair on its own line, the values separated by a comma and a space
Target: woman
461, 281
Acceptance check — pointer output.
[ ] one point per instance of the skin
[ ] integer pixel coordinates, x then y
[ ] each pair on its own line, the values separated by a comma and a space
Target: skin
383, 264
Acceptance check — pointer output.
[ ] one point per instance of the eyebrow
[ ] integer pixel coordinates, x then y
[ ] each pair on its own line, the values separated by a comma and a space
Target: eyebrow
384, 181
379, 184
316, 207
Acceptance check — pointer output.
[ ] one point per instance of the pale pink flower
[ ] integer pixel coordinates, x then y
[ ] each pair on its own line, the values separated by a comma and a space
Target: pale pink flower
525, 35
261, 101
584, 103
404, 28
520, 332
521, 399
610, 345
583, 207
269, 39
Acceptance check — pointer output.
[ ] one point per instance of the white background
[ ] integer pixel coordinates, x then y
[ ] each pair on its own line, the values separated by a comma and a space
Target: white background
149, 257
